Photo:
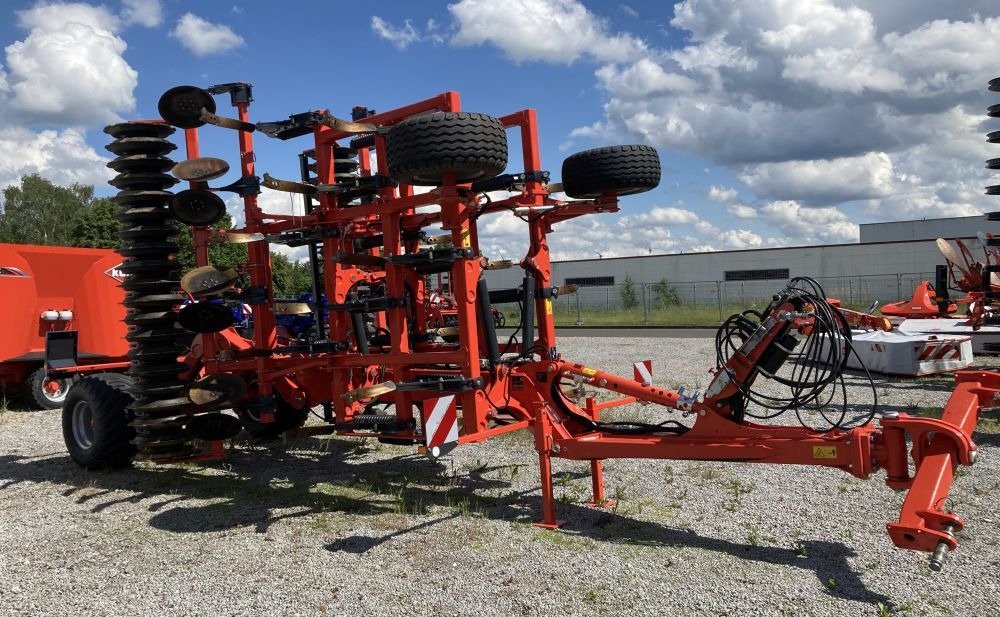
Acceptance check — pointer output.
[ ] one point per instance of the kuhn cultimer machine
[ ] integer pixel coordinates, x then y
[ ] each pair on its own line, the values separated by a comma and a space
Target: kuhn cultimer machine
376, 368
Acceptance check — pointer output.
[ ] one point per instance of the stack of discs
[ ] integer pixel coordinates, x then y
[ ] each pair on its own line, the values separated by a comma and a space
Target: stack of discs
151, 286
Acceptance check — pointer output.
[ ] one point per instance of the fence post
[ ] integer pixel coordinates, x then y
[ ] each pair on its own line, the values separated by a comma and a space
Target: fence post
850, 291
718, 297
608, 303
899, 286
645, 306
579, 322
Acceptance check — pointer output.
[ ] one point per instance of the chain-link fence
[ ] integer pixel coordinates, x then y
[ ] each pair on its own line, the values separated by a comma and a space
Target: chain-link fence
683, 302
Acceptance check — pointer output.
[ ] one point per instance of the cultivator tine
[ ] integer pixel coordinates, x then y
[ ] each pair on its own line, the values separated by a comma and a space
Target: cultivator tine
227, 123
369, 391
446, 331
208, 280
201, 169
229, 237
441, 239
217, 389
500, 264
563, 290
345, 126
291, 308
288, 186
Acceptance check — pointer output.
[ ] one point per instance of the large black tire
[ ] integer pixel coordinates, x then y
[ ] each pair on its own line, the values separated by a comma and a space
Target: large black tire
286, 418
627, 170
41, 391
420, 149
96, 422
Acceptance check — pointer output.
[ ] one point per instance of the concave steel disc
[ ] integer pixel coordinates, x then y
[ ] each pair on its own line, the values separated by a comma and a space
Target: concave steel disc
197, 207
208, 280
205, 317
181, 106
140, 145
143, 163
213, 426
200, 169
217, 389
139, 129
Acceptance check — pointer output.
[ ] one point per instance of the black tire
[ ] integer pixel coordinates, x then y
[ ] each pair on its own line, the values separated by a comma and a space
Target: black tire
36, 393
96, 422
286, 418
420, 149
627, 170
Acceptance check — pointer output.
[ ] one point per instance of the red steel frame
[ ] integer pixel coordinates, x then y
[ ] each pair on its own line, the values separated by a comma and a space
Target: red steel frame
528, 392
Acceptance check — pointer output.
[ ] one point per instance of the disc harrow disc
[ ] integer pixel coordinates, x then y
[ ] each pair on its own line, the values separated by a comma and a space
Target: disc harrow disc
181, 106
141, 163
147, 249
143, 181
153, 336
200, 169
208, 280
153, 319
217, 389
197, 207
205, 317
151, 146
147, 232
142, 198
213, 426
151, 215
161, 285
149, 302
139, 129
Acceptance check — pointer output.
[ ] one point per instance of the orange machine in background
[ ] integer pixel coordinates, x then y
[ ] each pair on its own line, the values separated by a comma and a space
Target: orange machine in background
55, 288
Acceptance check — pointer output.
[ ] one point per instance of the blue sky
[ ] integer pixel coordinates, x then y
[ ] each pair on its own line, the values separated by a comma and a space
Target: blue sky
778, 122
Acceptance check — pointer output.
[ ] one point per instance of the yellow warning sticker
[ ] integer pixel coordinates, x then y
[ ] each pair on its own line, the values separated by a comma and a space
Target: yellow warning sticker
548, 307
589, 372
466, 240
824, 451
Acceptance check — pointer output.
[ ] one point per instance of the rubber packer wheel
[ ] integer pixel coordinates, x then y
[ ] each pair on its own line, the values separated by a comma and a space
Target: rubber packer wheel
420, 149
627, 170
96, 422
44, 392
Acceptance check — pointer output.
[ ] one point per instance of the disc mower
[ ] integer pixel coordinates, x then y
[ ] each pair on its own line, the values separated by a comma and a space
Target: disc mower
376, 368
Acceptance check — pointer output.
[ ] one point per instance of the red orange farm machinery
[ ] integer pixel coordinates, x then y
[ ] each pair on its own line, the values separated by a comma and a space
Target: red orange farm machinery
69, 296
377, 370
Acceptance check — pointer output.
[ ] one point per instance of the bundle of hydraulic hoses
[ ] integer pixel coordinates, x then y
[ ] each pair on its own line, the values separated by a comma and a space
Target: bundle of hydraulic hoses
152, 287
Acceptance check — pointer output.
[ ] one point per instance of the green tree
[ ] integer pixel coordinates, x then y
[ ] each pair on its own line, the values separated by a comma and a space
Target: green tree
96, 226
629, 299
219, 255
39, 212
291, 278
665, 293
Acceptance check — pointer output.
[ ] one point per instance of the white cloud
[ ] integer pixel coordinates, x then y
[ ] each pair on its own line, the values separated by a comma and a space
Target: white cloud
203, 38
823, 181
723, 194
741, 211
69, 70
804, 225
147, 13
401, 38
559, 31
60, 156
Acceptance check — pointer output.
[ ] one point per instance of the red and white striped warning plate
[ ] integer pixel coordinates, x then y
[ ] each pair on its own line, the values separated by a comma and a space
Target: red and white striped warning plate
643, 372
944, 349
440, 425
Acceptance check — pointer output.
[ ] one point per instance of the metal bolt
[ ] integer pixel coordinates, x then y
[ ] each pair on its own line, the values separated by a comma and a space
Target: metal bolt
557, 448
937, 559
602, 382
702, 413
890, 415
973, 455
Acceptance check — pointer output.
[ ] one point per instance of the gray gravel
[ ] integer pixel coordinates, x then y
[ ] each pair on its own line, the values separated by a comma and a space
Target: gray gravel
340, 526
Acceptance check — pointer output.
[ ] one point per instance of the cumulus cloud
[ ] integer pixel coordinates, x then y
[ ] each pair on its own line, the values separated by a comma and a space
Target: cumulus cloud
723, 194
203, 38
559, 31
823, 181
60, 156
147, 13
69, 70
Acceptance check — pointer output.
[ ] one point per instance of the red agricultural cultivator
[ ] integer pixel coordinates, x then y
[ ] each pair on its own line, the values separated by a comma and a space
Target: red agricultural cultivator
378, 369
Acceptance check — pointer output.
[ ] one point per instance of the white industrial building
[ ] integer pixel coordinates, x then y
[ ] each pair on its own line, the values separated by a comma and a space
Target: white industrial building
885, 264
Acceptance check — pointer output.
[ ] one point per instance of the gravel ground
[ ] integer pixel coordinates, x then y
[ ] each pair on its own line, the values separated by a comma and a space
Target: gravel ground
340, 526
